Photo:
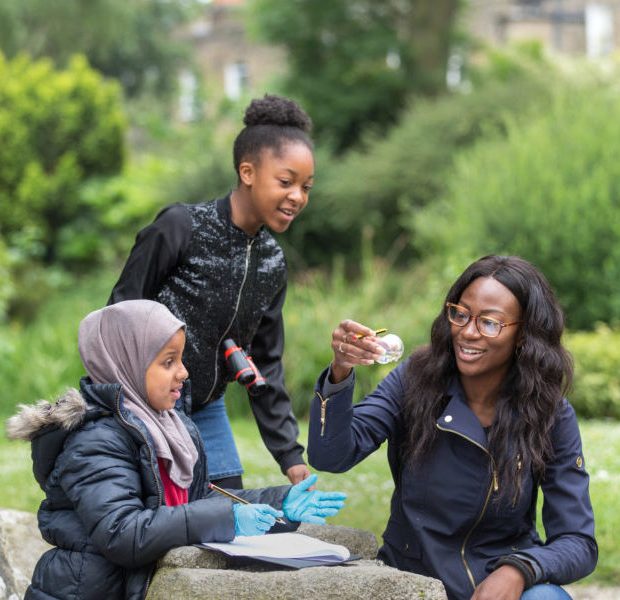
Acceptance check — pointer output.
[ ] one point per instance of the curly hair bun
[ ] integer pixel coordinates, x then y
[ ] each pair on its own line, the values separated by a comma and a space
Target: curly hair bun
276, 110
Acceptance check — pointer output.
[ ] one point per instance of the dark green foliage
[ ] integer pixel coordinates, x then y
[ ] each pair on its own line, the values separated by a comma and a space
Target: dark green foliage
550, 192
596, 391
354, 65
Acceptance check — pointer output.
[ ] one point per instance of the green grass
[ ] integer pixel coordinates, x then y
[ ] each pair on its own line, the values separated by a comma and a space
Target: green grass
369, 485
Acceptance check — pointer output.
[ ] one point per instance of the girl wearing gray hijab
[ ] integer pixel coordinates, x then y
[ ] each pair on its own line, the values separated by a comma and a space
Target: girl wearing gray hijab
123, 469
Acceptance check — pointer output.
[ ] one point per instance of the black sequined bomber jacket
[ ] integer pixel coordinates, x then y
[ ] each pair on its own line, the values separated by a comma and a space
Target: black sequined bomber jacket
223, 284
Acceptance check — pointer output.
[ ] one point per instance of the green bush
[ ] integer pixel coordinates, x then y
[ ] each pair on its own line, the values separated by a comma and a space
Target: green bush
548, 191
596, 389
168, 163
40, 359
59, 129
135, 42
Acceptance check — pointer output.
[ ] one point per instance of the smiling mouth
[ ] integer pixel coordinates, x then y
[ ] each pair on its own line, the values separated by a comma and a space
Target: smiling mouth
470, 351
288, 212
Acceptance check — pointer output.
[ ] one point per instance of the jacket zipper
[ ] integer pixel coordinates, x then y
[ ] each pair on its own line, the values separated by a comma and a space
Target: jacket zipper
518, 486
323, 412
159, 493
493, 487
118, 411
248, 252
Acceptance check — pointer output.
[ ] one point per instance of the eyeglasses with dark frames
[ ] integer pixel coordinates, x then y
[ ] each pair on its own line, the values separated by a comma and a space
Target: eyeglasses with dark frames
487, 326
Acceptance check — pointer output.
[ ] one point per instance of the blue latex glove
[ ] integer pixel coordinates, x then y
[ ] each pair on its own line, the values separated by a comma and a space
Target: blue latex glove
311, 506
254, 519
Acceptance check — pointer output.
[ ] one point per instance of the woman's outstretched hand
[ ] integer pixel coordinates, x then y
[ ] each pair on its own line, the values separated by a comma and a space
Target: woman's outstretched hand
311, 506
353, 344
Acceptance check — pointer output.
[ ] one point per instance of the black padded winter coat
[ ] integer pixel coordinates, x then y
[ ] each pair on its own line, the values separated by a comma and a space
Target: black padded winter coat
104, 506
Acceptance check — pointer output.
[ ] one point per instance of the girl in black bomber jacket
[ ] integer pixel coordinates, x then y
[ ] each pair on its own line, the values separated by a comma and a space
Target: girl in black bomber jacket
216, 267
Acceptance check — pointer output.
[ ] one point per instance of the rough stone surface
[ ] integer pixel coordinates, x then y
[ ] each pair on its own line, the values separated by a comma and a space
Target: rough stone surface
191, 572
363, 580
21, 546
359, 542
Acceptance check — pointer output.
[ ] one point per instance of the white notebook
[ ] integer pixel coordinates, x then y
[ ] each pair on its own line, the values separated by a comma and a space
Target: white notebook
282, 546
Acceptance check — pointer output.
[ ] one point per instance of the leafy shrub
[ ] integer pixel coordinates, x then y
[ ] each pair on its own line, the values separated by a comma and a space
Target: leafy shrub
596, 389
550, 192
58, 130
134, 42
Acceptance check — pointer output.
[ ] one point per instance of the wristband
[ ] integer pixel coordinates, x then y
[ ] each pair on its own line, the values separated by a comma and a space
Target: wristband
521, 565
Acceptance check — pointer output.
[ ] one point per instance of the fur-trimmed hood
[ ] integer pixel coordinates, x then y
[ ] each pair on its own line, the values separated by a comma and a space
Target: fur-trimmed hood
46, 425
66, 413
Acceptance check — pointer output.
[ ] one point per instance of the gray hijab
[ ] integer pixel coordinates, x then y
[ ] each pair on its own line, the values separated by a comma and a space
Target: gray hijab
117, 344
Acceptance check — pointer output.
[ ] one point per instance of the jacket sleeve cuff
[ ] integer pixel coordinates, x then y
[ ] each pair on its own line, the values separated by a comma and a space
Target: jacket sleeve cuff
522, 564
331, 389
291, 459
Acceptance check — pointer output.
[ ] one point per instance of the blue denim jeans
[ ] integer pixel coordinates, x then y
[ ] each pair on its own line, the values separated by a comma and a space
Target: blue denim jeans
214, 426
545, 591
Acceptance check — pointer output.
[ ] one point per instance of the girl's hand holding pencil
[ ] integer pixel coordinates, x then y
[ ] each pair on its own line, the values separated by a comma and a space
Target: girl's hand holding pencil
254, 519
300, 504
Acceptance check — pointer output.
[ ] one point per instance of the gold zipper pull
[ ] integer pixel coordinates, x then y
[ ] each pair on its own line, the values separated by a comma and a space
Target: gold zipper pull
495, 482
323, 412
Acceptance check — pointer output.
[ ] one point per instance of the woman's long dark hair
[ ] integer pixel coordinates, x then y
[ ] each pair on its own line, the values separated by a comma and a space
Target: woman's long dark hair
532, 391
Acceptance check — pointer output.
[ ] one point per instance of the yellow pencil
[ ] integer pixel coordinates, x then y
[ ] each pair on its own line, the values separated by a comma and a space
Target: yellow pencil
359, 336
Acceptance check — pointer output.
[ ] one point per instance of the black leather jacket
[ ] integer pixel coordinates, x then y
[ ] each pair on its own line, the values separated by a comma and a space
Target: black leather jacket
222, 283
104, 509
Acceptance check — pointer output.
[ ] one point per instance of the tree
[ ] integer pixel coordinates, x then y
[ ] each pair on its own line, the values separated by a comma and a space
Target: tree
131, 41
354, 64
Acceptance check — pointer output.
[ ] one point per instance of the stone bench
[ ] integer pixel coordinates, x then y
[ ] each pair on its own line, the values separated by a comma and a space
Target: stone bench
192, 573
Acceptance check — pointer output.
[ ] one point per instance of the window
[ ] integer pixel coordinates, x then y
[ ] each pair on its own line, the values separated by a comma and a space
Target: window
236, 79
